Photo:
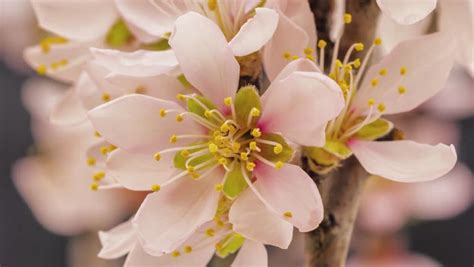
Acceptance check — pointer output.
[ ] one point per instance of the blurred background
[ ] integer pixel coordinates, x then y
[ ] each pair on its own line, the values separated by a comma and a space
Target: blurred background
49, 216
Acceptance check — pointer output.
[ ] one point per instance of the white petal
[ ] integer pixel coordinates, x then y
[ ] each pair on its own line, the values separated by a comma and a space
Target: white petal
134, 122
76, 20
407, 11
251, 254
299, 107
205, 57
171, 215
138, 171
118, 241
427, 56
69, 110
139, 63
255, 33
251, 218
404, 161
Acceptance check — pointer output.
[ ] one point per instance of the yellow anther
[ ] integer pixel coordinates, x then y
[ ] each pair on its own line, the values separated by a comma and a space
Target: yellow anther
140, 90
91, 161
194, 175
235, 147
63, 62
359, 47
94, 186
218, 246
219, 187
347, 18
278, 165
232, 129
356, 63
309, 57
253, 146
181, 97
157, 156
250, 166
222, 161
97, 134
403, 71
212, 148
179, 117
277, 149
254, 112
185, 153
381, 107
98, 176
112, 147
402, 90
378, 41
105, 97
338, 63
162, 112
188, 249
322, 44
207, 114
256, 132
374, 82
244, 156
210, 232
41, 69
308, 51
155, 188
347, 68
212, 4
287, 55
228, 101
175, 254
104, 150
190, 168
173, 139
288, 214
371, 102
224, 128
294, 57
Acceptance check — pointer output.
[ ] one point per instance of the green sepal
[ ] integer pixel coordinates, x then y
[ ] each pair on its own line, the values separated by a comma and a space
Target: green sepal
246, 99
118, 35
179, 160
267, 150
234, 182
338, 149
229, 245
321, 156
183, 81
375, 130
160, 45
197, 109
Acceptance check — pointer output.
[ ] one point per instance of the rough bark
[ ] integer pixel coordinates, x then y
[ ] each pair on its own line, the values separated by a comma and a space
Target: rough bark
328, 245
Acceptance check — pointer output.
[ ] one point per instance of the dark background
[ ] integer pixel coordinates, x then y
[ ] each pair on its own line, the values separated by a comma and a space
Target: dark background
23, 242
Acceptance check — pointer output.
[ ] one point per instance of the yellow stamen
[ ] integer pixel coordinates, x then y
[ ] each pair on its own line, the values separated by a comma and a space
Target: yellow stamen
105, 97
98, 176
244, 156
381, 107
287, 55
181, 97
175, 254
210, 232
41, 69
288, 214
157, 156
97, 134
277, 149
162, 112
188, 249
179, 118
228, 101
402, 90
173, 139
185, 153
219, 187
278, 165
212, 148
374, 82
383, 72
250, 166
253, 146
94, 186
91, 161
256, 132
378, 41
155, 188
359, 47
235, 147
104, 150
322, 44
254, 112
308, 51
347, 18
403, 70
371, 102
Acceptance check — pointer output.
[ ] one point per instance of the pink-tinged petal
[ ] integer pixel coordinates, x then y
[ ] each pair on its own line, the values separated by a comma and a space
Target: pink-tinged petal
407, 12
456, 18
300, 13
139, 63
251, 254
162, 86
255, 33
288, 38
404, 161
301, 64
407, 67
117, 241
299, 107
63, 62
76, 20
98, 73
152, 17
137, 171
251, 218
197, 258
205, 57
87, 90
134, 122
290, 190
69, 110
171, 215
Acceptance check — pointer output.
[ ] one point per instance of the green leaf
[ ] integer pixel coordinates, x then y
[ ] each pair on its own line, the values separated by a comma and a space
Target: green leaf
338, 149
160, 45
234, 182
246, 99
118, 35
197, 109
375, 130
230, 244
179, 160
267, 150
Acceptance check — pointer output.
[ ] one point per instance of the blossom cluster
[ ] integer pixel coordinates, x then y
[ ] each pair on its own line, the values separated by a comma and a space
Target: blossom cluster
158, 85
